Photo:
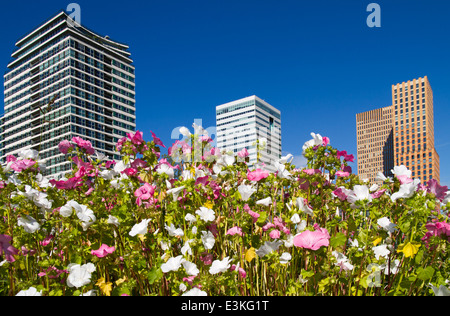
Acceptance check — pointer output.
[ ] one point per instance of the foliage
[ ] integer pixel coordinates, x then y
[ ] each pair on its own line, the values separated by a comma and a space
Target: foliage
203, 222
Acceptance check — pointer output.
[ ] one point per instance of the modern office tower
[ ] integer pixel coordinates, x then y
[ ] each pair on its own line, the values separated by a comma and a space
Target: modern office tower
374, 143
89, 81
410, 141
413, 122
242, 123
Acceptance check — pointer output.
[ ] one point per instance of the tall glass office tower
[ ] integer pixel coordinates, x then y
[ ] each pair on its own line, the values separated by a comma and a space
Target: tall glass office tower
241, 123
88, 79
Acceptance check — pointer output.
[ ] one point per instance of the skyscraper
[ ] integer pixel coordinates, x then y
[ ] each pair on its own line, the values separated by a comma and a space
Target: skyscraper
89, 81
401, 134
374, 143
413, 122
242, 123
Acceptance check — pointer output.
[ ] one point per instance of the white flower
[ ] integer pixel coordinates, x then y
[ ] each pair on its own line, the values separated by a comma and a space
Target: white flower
289, 241
295, 219
165, 245
447, 198
392, 268
113, 220
89, 293
281, 170
381, 251
140, 229
174, 232
164, 168
406, 190
359, 193
266, 202
342, 261
286, 159
175, 192
304, 207
86, 215
184, 131
191, 268
315, 141
173, 264
246, 191
441, 291
208, 239
32, 291
386, 224
187, 174
29, 224
29, 154
401, 171
285, 257
195, 292
186, 247
374, 187
182, 287
190, 218
120, 166
79, 275
268, 247
220, 265
206, 214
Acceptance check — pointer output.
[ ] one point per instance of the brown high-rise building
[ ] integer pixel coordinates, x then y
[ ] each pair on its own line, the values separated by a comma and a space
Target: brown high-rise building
375, 147
409, 138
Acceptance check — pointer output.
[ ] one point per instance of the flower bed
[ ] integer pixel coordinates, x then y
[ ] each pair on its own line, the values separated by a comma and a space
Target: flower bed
199, 222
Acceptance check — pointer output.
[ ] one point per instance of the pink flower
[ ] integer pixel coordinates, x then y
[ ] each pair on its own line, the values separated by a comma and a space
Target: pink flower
404, 179
325, 141
341, 173
68, 184
103, 251
207, 258
46, 240
64, 146
438, 229
136, 138
275, 234
311, 171
139, 163
347, 157
157, 140
377, 194
234, 230
11, 158
20, 165
243, 153
189, 279
438, 190
257, 175
312, 239
130, 171
84, 144
144, 193
339, 192
241, 271
7, 248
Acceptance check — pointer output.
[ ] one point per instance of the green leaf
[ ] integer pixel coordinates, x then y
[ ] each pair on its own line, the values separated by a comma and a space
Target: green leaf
339, 240
154, 275
425, 274
262, 218
307, 274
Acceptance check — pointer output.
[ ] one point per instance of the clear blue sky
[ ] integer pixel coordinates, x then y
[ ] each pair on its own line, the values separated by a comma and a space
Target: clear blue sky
317, 61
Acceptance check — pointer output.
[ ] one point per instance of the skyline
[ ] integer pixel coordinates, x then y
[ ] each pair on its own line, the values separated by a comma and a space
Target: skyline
320, 63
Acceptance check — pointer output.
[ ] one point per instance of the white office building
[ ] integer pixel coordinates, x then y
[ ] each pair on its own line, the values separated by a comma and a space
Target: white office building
91, 81
247, 122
